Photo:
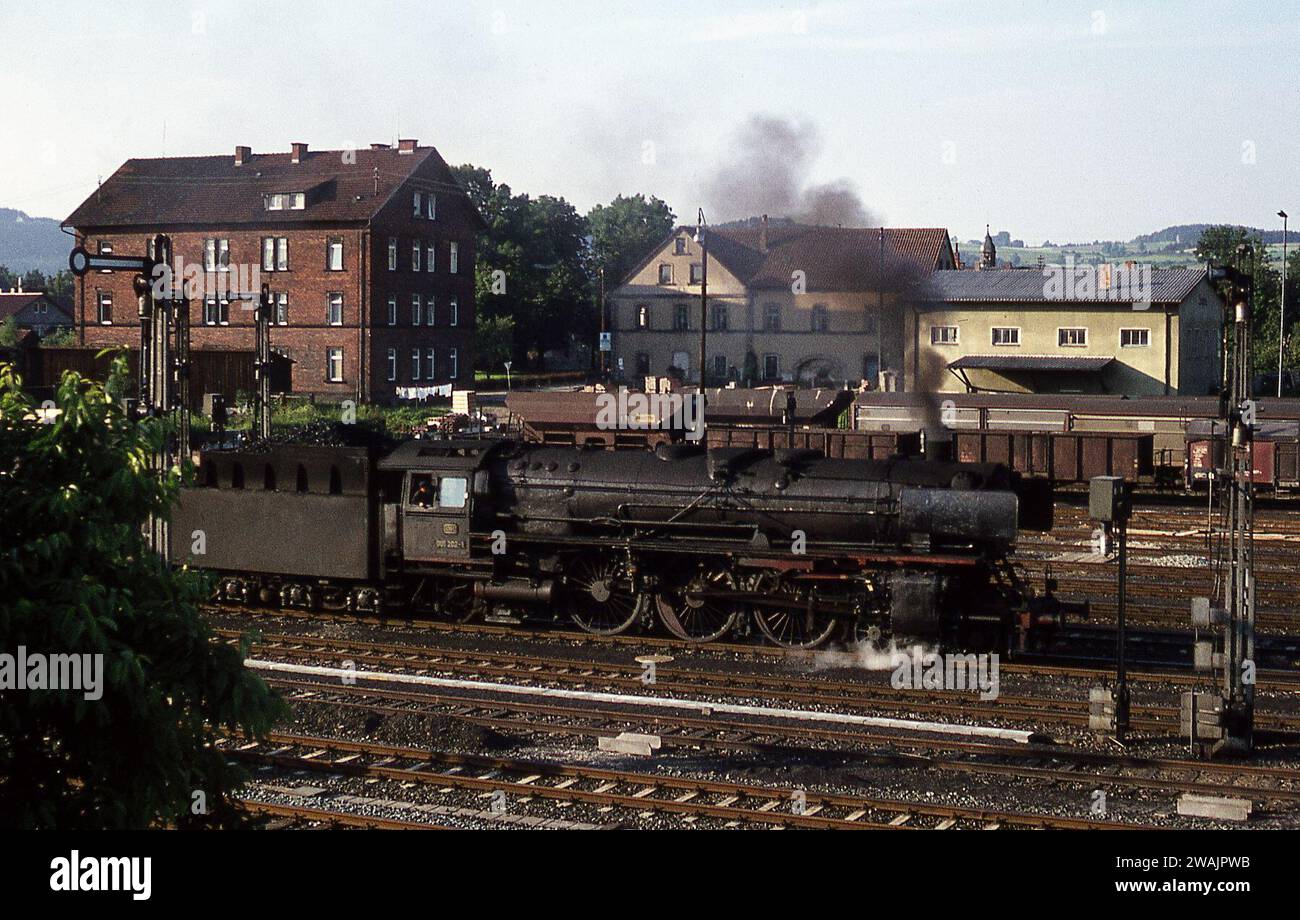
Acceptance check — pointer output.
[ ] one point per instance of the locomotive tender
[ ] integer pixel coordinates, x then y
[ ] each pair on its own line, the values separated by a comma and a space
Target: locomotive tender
708, 541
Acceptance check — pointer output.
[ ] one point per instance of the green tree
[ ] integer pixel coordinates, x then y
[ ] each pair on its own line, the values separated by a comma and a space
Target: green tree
494, 342
1219, 245
624, 232
533, 266
77, 578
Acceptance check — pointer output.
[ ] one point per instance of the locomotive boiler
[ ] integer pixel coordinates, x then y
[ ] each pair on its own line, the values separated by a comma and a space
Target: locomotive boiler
708, 542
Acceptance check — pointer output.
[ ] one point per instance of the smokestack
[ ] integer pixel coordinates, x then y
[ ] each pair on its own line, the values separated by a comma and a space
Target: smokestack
299, 151
406, 145
242, 155
762, 236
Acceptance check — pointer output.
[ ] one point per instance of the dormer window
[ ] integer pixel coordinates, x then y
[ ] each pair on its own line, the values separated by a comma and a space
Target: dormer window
285, 201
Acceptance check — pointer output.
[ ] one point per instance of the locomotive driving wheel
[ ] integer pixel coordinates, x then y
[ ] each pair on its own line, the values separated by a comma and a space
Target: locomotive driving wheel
456, 601
600, 596
699, 611
791, 616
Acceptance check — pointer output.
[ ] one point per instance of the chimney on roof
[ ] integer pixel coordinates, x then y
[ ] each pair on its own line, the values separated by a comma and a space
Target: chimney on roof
299, 151
762, 235
380, 146
406, 145
243, 155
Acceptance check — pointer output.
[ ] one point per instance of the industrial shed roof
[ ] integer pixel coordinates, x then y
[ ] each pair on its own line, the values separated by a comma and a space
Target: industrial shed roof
1030, 363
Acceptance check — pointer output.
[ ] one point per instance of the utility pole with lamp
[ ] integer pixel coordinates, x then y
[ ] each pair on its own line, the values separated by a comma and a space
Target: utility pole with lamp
1281, 316
700, 226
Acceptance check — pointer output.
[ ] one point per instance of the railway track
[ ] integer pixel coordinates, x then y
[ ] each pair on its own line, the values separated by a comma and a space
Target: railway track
837, 695
304, 816
1043, 763
1160, 671
733, 804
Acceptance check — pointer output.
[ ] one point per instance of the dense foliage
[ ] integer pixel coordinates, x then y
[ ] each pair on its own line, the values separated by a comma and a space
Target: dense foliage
1218, 244
539, 262
76, 577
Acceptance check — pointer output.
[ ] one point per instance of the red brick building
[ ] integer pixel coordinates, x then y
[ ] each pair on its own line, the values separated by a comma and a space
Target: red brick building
369, 255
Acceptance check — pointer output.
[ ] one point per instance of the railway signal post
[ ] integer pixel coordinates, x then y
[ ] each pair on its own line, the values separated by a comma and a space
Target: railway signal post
163, 371
1224, 722
1109, 503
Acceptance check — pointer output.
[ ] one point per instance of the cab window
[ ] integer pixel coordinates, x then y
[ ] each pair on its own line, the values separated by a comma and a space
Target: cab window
422, 491
452, 492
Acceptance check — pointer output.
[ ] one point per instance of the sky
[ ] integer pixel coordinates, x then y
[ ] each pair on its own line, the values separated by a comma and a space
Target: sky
1051, 120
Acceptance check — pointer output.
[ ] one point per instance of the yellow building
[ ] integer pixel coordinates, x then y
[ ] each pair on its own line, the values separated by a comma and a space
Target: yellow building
1130, 330
786, 302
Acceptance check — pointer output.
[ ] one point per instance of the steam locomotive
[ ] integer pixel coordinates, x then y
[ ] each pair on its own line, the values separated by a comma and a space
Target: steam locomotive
707, 541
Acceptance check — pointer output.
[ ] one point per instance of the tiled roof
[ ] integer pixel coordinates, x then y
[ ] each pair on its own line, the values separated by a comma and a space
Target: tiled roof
1031, 362
1025, 285
340, 187
12, 303
832, 258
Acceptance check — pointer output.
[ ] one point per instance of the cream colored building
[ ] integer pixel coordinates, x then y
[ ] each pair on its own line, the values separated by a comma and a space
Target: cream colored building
1123, 330
785, 302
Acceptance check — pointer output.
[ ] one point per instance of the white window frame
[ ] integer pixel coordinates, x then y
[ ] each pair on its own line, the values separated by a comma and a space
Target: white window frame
453, 312
392, 253
993, 336
415, 364
431, 206
392, 364
430, 360
104, 308
643, 316
453, 259
216, 311
268, 253
696, 273
332, 245
430, 257
331, 355
281, 253
417, 309
430, 310
1063, 329
392, 309
1146, 334
417, 204
939, 335
669, 267
454, 361
415, 255
281, 301
330, 300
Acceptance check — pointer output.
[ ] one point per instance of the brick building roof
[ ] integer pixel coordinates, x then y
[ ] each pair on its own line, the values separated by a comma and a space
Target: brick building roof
832, 258
340, 187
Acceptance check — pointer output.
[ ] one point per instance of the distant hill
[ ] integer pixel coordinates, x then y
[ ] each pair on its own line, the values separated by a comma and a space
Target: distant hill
28, 242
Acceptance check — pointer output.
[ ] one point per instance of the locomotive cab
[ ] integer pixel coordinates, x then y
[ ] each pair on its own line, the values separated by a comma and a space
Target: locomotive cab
435, 514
